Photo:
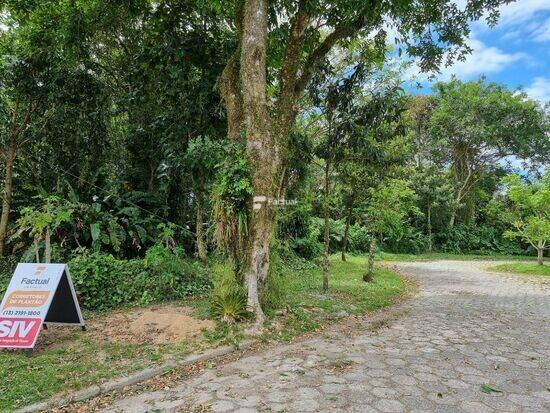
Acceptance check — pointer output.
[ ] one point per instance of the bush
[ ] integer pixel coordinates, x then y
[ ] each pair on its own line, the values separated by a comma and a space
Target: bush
308, 248
176, 276
483, 239
228, 299
104, 282
7, 266
358, 239
411, 241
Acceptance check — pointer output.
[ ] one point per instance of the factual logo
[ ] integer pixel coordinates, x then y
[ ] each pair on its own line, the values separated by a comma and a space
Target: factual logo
39, 270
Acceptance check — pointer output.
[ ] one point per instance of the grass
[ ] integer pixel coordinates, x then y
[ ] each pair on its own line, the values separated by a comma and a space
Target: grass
77, 361
74, 365
28, 379
523, 268
434, 256
311, 309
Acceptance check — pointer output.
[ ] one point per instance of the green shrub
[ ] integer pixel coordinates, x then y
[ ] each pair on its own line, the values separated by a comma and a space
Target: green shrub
175, 276
7, 266
274, 292
483, 239
228, 299
104, 282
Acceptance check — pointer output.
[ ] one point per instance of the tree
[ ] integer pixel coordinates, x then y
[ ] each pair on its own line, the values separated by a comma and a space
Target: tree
419, 109
477, 124
434, 190
261, 85
202, 157
528, 212
337, 107
389, 205
41, 222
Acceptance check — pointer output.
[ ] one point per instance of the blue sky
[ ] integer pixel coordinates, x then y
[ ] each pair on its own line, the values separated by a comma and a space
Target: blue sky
515, 52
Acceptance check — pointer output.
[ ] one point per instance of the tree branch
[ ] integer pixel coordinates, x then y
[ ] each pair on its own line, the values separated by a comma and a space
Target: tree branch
229, 85
289, 71
340, 32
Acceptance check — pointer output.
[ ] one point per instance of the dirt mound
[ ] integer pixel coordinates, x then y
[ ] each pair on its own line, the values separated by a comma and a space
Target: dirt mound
153, 325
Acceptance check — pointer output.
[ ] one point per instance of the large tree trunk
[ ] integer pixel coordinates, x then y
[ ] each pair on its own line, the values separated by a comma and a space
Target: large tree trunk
540, 254
430, 228
262, 152
367, 277
6, 199
326, 238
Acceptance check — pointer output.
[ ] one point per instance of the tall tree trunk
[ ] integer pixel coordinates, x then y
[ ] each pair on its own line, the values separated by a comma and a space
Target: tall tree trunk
48, 247
8, 189
346, 233
326, 238
199, 224
453, 218
540, 253
429, 228
367, 277
262, 152
199, 233
36, 250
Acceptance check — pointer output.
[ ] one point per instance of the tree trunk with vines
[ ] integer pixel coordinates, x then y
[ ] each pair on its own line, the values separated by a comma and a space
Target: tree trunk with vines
367, 277
326, 237
7, 195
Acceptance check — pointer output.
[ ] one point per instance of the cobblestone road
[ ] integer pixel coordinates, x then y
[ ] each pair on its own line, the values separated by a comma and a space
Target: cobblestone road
466, 328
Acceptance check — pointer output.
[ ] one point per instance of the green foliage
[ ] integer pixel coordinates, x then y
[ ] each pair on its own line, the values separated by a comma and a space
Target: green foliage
476, 125
484, 239
523, 268
7, 266
230, 193
53, 212
104, 282
390, 204
228, 298
529, 213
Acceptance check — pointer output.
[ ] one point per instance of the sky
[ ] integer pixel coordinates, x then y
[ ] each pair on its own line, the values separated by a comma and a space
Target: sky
515, 52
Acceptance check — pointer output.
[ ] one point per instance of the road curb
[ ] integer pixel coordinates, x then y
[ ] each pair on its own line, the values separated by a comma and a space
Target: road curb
138, 377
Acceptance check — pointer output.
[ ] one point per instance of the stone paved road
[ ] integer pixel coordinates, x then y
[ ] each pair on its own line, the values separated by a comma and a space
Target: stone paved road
465, 328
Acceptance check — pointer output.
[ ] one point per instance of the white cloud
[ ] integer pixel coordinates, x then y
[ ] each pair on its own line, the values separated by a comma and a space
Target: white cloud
542, 33
521, 11
483, 60
523, 19
539, 89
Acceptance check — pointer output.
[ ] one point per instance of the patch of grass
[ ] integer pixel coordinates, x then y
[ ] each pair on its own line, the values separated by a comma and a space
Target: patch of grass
26, 379
486, 388
310, 308
387, 256
523, 268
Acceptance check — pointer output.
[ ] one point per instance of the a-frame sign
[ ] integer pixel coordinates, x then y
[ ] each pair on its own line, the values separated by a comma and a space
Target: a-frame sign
38, 294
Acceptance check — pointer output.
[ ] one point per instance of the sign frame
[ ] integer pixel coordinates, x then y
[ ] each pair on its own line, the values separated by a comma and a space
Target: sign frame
54, 302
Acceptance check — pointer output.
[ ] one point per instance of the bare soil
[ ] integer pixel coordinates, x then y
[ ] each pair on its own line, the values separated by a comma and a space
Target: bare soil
153, 325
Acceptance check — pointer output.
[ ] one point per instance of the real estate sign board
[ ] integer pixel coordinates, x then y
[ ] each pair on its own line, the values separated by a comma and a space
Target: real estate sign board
37, 294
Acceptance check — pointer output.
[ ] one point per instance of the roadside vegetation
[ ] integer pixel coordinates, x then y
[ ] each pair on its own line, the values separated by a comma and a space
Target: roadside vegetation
69, 360
523, 268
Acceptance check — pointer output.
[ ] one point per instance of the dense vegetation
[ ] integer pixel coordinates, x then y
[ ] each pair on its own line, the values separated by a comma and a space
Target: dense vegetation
144, 142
